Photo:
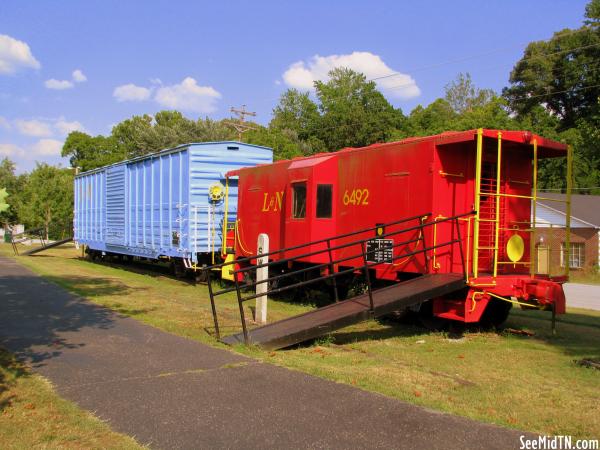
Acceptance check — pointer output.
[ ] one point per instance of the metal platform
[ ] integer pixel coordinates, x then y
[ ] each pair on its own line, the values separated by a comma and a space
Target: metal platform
46, 246
339, 315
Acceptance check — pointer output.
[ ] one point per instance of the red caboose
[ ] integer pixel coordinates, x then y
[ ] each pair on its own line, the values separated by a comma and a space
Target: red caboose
489, 173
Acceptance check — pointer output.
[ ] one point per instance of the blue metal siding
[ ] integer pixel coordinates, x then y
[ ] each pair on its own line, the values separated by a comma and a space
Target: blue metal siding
159, 205
115, 205
208, 165
89, 207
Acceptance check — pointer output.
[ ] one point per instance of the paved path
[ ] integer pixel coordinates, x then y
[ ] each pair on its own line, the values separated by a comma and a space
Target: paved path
171, 392
582, 295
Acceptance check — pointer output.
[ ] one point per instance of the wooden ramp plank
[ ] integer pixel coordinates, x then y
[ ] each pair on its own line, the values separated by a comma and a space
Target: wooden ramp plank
332, 317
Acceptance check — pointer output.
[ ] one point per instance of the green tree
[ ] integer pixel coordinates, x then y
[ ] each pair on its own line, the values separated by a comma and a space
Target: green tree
557, 83
145, 134
87, 152
437, 117
561, 73
353, 112
463, 96
296, 112
14, 187
49, 200
491, 114
285, 142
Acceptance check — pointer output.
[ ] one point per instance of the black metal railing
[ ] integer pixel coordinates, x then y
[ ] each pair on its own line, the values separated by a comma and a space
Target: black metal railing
327, 270
26, 236
42, 235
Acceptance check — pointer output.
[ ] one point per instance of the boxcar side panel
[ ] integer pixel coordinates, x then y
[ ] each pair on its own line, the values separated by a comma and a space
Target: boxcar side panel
157, 192
115, 205
89, 208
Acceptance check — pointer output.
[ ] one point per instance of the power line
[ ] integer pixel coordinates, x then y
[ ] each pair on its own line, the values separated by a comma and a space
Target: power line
517, 98
552, 94
480, 55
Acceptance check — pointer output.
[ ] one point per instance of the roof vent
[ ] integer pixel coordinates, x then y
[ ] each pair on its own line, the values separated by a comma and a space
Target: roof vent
232, 147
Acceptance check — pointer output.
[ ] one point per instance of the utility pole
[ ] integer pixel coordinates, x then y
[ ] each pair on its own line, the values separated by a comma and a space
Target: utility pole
241, 126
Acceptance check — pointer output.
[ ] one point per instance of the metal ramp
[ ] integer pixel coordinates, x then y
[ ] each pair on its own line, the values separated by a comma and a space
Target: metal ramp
38, 234
324, 320
333, 260
46, 246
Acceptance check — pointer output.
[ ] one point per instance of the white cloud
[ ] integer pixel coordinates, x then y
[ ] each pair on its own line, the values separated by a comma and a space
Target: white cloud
185, 96
131, 93
11, 151
47, 147
14, 55
35, 128
301, 74
65, 127
58, 84
188, 96
78, 76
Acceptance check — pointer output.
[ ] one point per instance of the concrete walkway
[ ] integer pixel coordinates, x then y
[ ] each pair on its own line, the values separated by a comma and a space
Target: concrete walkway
171, 392
582, 295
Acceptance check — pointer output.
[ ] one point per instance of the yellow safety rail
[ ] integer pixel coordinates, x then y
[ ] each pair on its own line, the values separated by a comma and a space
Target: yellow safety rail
532, 266
497, 217
225, 218
499, 194
478, 164
568, 218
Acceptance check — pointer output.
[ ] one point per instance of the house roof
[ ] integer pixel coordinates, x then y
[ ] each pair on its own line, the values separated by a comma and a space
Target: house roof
583, 207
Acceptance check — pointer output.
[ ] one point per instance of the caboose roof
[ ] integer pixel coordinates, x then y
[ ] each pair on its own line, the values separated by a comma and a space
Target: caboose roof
547, 148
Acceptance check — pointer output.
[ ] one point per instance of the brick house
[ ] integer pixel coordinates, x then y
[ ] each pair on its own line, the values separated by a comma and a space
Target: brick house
550, 233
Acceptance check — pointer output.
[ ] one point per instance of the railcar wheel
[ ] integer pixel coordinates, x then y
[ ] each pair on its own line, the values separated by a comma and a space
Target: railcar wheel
428, 320
201, 276
178, 269
495, 313
342, 290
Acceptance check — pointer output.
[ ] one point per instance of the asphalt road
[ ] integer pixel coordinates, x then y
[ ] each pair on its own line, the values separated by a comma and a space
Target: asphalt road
171, 392
582, 296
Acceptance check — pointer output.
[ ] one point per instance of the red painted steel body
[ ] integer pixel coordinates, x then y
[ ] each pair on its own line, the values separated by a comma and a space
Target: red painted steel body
387, 182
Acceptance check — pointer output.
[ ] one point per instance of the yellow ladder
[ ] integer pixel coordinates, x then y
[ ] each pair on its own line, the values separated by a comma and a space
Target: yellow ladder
498, 195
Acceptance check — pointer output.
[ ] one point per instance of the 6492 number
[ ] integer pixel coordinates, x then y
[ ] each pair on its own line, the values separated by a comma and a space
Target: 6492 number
356, 197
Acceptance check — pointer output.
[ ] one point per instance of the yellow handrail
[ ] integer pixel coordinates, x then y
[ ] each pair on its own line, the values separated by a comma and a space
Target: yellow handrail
468, 219
434, 264
498, 183
477, 202
532, 267
225, 218
568, 218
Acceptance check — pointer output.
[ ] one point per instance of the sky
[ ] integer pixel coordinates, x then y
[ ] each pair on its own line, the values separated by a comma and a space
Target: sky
87, 65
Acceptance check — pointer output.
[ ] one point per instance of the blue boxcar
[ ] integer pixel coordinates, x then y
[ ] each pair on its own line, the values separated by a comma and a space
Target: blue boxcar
160, 204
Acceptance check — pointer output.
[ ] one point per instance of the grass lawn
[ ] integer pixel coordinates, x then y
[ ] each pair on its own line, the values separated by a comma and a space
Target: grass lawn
525, 382
585, 277
33, 416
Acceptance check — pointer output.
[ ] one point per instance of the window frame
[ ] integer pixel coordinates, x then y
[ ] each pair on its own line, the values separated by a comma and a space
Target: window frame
330, 206
303, 184
576, 261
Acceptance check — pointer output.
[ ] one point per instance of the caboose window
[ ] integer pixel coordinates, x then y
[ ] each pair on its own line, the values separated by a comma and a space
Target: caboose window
299, 203
324, 200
